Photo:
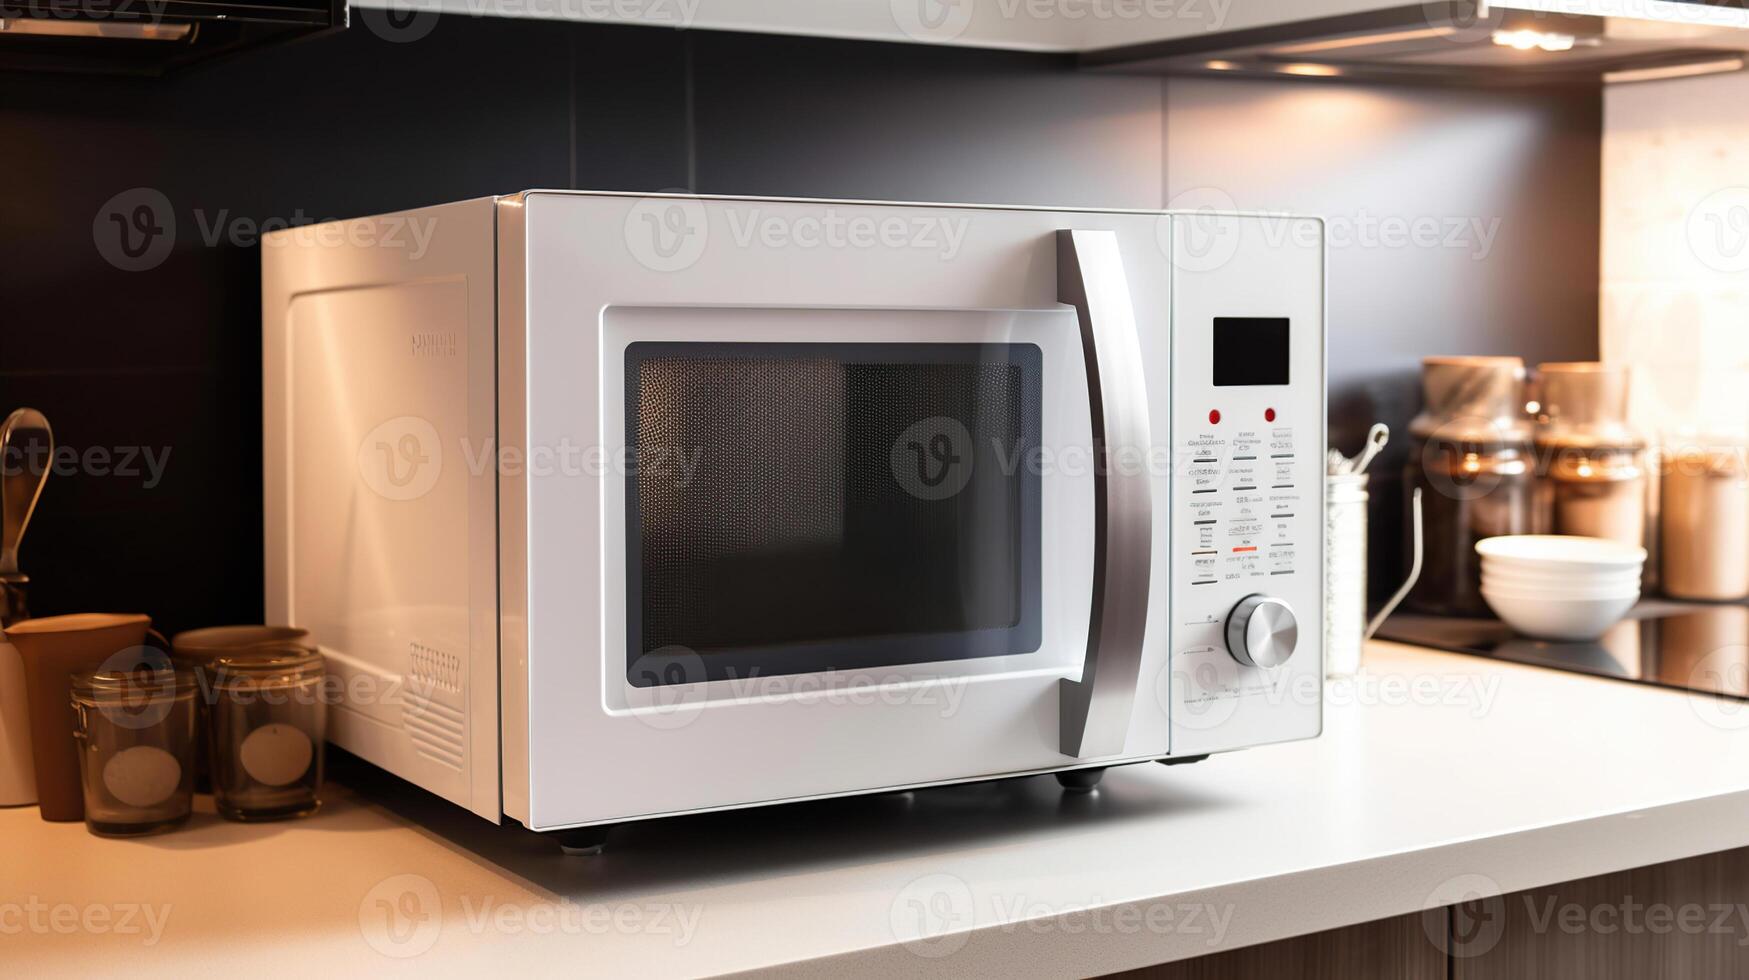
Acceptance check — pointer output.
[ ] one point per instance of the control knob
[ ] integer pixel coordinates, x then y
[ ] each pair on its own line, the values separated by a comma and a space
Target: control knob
1262, 631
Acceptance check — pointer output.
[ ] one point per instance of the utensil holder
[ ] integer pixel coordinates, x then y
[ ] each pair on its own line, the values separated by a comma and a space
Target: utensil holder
1345, 498
1346, 628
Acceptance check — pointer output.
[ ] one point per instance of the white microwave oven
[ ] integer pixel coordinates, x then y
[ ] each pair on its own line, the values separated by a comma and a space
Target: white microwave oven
606, 507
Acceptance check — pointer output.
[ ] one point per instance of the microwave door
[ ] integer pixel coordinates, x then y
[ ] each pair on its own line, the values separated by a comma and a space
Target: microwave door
1095, 710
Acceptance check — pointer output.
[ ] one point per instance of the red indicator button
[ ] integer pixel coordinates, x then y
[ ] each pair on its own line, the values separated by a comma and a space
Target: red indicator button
1214, 416
1269, 415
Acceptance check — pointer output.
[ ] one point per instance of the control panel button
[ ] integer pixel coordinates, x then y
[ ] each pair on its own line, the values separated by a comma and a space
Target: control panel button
1262, 631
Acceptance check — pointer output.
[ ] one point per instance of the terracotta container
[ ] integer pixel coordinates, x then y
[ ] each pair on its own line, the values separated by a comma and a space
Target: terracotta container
52, 650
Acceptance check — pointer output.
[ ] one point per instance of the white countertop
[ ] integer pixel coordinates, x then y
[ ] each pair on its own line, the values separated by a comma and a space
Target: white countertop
1437, 776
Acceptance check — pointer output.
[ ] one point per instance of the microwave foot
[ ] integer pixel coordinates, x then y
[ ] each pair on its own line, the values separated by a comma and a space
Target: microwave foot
581, 841
1182, 760
1080, 780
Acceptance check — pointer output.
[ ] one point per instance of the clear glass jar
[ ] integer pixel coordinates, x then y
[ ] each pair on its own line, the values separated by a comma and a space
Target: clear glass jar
1591, 462
1470, 456
135, 734
269, 719
195, 650
1593, 492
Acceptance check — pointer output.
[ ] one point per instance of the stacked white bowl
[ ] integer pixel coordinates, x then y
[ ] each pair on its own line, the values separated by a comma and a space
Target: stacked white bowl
1560, 587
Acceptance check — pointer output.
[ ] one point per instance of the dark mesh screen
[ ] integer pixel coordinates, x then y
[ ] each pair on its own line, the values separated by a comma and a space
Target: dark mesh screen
802, 507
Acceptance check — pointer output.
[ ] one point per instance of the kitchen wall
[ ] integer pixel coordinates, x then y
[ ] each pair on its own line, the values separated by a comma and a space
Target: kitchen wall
1676, 251
152, 376
1459, 222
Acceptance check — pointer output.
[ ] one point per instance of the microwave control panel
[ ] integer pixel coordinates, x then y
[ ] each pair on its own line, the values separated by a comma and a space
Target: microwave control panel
1246, 600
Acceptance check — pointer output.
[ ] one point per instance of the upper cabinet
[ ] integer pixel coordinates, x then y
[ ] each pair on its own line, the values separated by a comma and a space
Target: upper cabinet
1460, 42
1464, 42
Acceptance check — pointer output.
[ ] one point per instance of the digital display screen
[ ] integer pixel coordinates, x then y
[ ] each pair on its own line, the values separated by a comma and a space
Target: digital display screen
1250, 350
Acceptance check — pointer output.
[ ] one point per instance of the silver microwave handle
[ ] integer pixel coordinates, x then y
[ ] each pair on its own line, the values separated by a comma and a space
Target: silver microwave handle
1095, 710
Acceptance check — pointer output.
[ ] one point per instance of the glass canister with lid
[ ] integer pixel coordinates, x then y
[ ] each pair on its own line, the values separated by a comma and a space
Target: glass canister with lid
1470, 455
1704, 517
135, 734
269, 720
1590, 460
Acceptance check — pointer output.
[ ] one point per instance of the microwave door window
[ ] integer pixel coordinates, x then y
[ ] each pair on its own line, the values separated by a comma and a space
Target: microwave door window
797, 508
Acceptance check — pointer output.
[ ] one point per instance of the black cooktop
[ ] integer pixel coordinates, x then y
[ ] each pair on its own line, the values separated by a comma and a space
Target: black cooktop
1689, 646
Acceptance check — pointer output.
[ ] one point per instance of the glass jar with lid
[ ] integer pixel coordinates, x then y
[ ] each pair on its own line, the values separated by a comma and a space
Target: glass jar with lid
1470, 455
269, 720
1590, 460
135, 734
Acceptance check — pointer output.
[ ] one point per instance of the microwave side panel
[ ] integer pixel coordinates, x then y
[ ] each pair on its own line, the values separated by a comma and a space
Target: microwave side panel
513, 504
379, 401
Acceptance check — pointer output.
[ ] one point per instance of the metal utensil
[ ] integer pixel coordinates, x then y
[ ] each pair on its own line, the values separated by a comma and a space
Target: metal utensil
1376, 438
27, 447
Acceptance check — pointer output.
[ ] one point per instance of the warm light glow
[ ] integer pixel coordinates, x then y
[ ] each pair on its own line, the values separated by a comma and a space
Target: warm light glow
1316, 71
84, 28
1220, 65
1364, 40
1527, 40
1675, 71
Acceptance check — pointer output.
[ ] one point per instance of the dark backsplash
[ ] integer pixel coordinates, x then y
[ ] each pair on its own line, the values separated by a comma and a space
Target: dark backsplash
161, 367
